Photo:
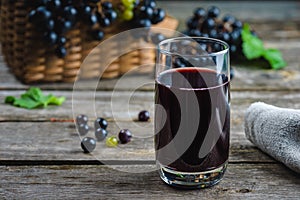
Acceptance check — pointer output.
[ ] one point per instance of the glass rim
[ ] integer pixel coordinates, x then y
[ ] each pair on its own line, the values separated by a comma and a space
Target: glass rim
169, 40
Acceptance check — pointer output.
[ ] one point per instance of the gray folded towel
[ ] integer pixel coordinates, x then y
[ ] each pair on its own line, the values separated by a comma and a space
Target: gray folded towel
276, 131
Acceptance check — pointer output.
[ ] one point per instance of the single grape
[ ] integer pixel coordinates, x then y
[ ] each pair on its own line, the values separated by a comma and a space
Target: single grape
104, 22
213, 12
46, 26
194, 32
61, 41
229, 18
70, 13
62, 26
107, 5
199, 13
213, 33
111, 15
32, 16
146, 12
144, 23
100, 134
144, 116
208, 24
83, 129
158, 16
204, 35
216, 47
233, 48
100, 123
98, 35
81, 119
92, 19
125, 136
127, 15
53, 5
150, 3
192, 23
112, 141
129, 4
50, 37
235, 37
50, 24
85, 11
224, 36
40, 14
88, 144
61, 51
237, 24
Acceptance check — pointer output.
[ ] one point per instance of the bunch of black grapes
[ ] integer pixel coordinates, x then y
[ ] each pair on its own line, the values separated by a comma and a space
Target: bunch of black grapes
206, 23
53, 18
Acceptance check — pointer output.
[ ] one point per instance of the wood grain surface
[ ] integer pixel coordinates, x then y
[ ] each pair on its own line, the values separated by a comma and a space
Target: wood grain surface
241, 181
40, 154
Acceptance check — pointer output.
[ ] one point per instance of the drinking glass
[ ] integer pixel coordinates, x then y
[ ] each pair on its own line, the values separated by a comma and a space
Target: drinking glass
192, 111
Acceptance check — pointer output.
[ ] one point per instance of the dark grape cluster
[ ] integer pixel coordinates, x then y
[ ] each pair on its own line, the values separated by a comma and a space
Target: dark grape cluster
206, 23
88, 144
82, 124
53, 18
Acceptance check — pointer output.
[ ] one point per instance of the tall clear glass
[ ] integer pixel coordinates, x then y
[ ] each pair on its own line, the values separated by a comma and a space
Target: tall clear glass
192, 114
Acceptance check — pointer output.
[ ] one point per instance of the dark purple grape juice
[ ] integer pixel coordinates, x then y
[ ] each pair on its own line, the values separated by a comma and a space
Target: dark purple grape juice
192, 119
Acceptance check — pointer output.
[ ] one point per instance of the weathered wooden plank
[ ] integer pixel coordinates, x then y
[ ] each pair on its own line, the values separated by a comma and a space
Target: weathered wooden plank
83, 102
260, 181
61, 142
250, 75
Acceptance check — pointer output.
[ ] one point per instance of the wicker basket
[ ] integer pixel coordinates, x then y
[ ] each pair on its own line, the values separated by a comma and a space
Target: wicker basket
31, 61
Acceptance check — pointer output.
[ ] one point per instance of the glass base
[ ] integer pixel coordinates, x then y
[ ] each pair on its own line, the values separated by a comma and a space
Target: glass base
191, 180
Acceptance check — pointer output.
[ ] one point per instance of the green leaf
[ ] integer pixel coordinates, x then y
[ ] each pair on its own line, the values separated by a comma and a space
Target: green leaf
26, 102
45, 99
34, 98
9, 99
252, 46
35, 93
275, 58
57, 101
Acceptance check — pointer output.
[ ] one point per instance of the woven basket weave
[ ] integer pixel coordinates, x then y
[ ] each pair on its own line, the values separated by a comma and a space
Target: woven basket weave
31, 61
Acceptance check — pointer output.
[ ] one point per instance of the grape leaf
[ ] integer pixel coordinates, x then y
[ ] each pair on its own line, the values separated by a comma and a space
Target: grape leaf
9, 99
275, 58
253, 48
34, 98
26, 102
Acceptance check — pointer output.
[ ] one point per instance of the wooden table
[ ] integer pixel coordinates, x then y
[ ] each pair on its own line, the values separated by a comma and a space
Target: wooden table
41, 157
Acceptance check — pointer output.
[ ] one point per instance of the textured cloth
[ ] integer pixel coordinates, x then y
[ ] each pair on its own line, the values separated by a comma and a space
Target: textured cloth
276, 131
